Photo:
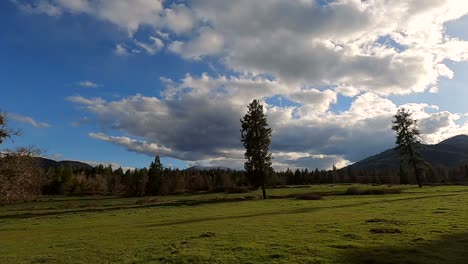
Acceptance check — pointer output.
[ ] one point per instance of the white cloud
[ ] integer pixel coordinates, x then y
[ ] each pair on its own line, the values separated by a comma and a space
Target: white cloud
40, 7
310, 53
434, 89
155, 45
197, 120
88, 84
121, 50
293, 160
179, 18
350, 44
207, 42
85, 101
75, 6
127, 15
437, 121
339, 43
132, 144
28, 120
163, 35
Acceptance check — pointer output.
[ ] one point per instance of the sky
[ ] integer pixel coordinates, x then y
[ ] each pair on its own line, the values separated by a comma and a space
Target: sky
119, 82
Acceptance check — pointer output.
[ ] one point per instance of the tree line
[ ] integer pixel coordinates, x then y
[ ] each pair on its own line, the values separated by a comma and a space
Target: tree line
154, 180
157, 180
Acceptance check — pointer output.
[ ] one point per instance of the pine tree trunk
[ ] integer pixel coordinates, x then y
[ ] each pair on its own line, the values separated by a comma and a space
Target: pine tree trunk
264, 191
416, 173
415, 167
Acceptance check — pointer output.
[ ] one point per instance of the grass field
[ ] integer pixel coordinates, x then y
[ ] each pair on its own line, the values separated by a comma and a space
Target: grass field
428, 225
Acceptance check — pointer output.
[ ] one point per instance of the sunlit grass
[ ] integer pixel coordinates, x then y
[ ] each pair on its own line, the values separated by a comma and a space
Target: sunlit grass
428, 225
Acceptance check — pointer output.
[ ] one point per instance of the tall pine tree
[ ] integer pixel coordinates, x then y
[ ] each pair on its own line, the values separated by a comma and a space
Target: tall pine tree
154, 176
407, 140
256, 137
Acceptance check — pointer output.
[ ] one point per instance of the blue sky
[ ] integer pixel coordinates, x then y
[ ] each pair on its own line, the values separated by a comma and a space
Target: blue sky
122, 81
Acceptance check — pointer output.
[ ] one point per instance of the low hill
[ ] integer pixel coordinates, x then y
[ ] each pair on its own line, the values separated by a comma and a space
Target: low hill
48, 163
448, 153
206, 168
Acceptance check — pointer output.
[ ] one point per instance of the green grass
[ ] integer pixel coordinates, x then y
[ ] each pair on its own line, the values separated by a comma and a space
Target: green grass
428, 225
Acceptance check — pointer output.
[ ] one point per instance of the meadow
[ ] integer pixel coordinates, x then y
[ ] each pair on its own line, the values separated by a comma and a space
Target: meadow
428, 225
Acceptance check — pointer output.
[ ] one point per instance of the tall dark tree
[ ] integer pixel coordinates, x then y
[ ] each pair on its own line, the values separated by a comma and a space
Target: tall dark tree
154, 176
407, 140
256, 137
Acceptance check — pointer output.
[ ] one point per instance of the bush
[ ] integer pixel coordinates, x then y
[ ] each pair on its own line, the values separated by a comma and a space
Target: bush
355, 190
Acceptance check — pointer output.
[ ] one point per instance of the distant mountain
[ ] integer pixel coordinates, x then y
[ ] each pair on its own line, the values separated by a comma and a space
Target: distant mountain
203, 168
48, 163
448, 153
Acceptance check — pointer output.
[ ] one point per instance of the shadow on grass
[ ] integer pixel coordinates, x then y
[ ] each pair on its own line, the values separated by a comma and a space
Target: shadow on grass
293, 211
215, 201
104, 208
296, 195
450, 249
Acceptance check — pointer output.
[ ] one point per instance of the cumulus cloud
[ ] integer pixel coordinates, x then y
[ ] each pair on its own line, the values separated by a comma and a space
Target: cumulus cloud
349, 44
339, 43
127, 15
306, 52
207, 42
28, 120
437, 121
130, 16
179, 18
197, 120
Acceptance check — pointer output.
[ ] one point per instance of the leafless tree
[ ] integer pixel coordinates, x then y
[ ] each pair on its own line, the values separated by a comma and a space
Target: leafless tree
20, 176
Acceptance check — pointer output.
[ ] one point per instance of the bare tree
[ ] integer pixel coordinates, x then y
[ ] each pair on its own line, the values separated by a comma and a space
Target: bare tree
5, 131
20, 178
